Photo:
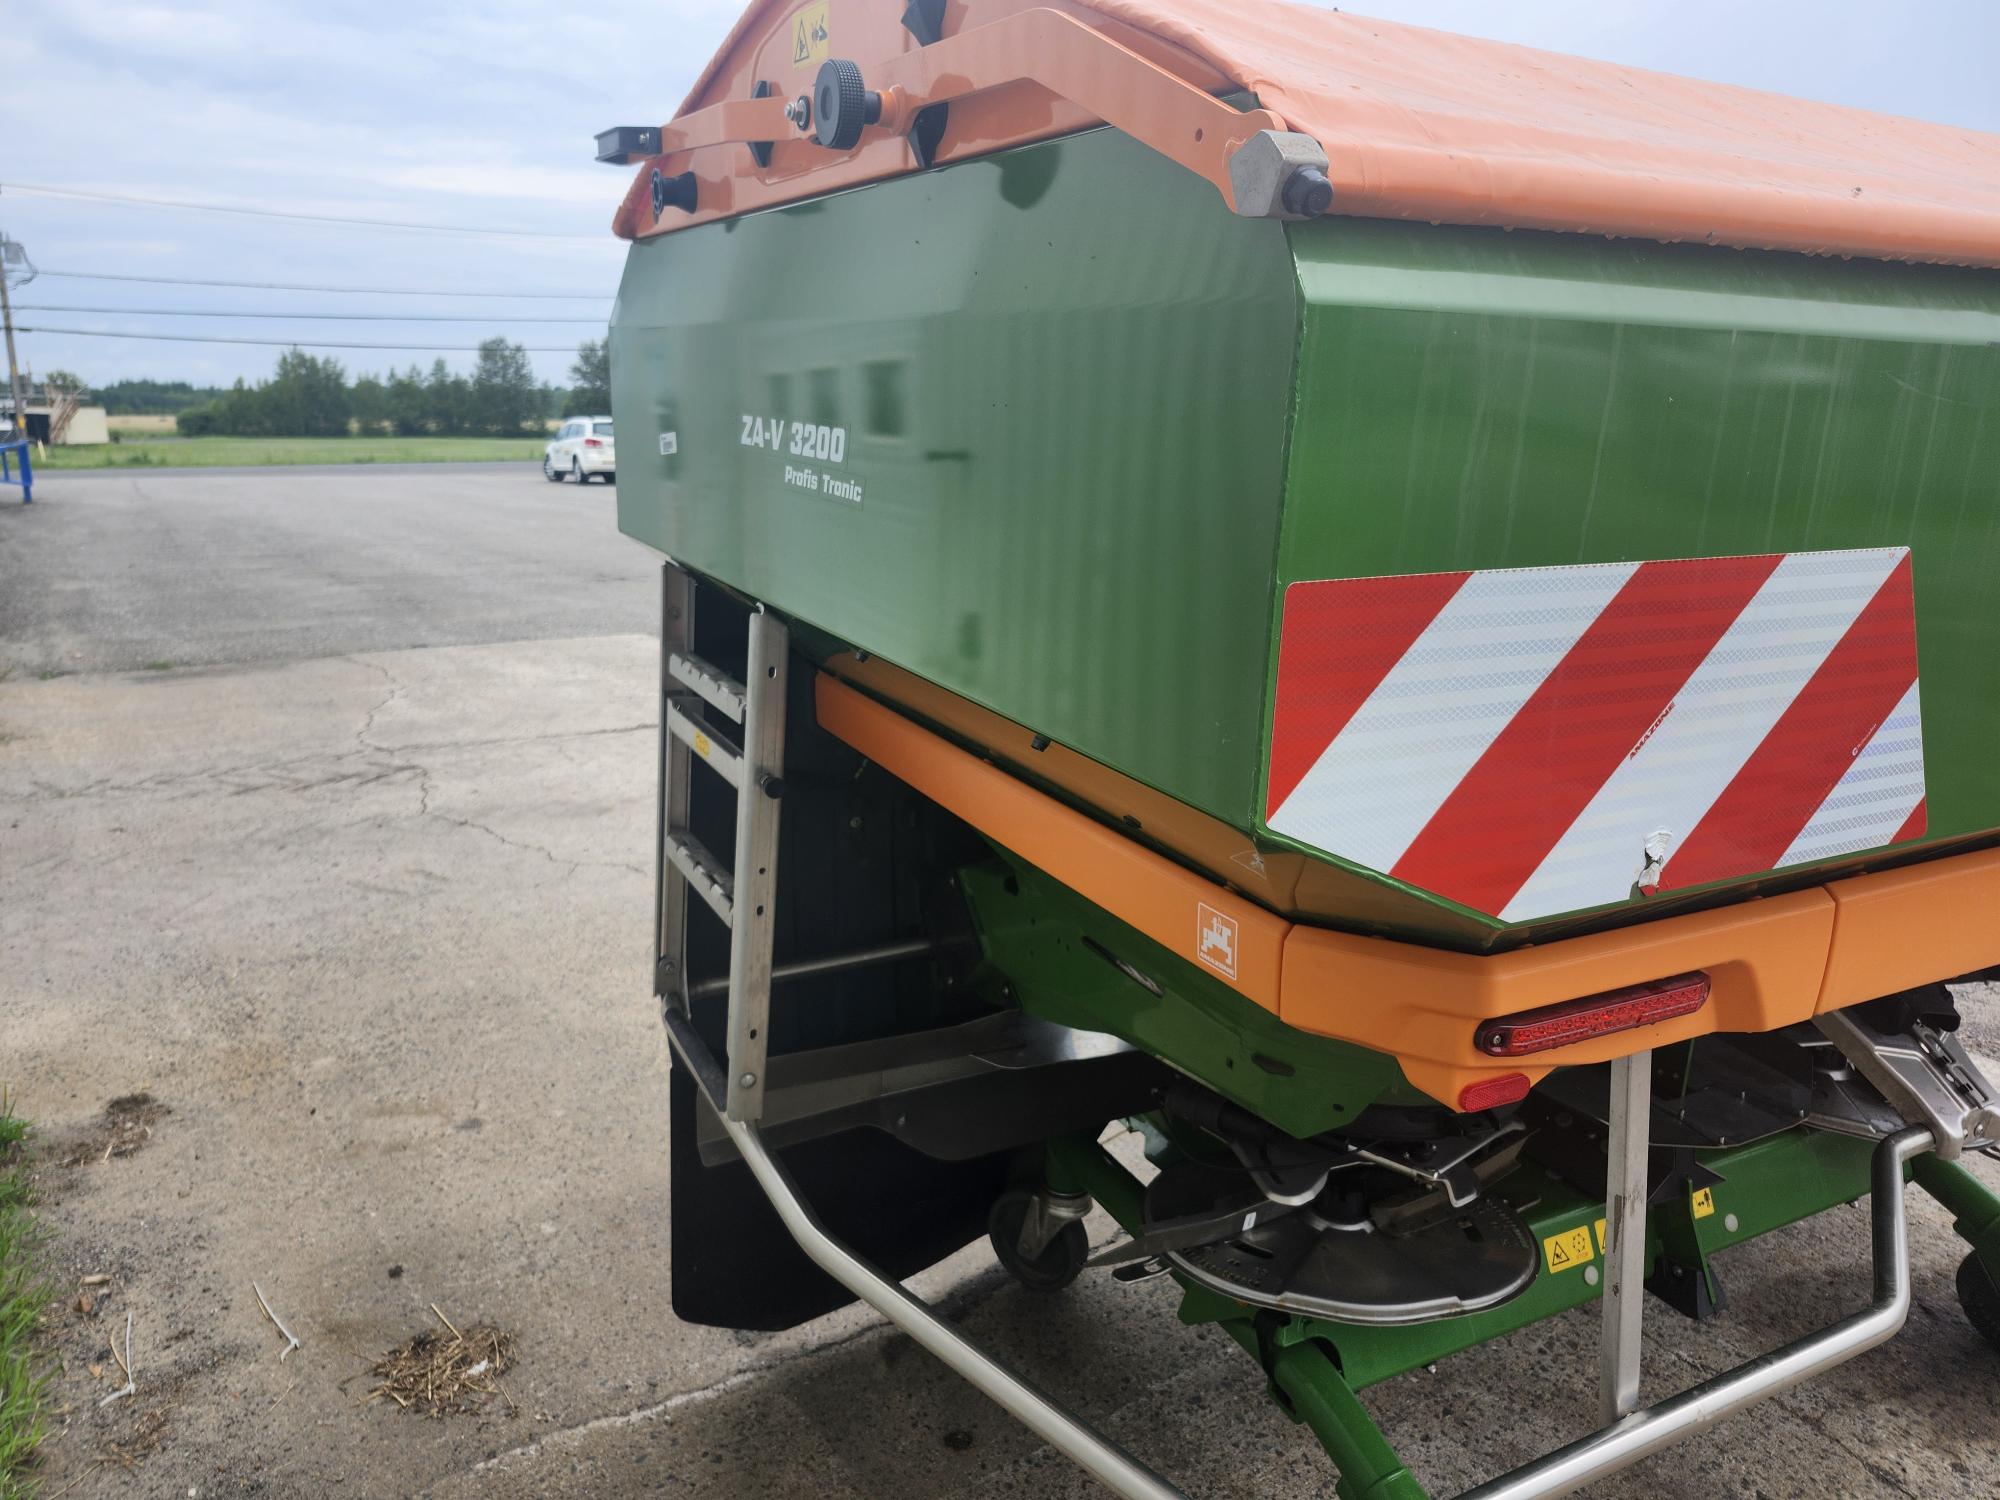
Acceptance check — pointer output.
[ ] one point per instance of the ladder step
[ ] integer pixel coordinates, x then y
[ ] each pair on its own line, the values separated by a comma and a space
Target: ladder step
709, 680
703, 873
722, 754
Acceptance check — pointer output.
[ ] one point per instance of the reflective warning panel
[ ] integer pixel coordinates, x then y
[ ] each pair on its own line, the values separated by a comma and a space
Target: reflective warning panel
1533, 741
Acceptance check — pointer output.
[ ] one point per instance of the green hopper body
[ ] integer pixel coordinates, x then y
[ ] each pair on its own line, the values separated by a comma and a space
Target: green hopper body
1055, 431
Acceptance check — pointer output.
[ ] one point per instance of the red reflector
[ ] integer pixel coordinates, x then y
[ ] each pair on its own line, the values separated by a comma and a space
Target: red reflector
592, 443
1491, 1093
1594, 1015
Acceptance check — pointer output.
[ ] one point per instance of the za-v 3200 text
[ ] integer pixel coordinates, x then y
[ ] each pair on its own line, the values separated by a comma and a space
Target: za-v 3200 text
800, 439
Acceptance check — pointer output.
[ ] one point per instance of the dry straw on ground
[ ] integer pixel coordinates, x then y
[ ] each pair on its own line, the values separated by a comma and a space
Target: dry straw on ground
443, 1371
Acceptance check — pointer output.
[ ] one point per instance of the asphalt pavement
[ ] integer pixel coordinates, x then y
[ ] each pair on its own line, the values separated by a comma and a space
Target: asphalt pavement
121, 569
326, 812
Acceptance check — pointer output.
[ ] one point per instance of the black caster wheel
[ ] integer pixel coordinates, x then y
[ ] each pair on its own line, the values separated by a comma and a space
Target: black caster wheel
1979, 1295
1057, 1265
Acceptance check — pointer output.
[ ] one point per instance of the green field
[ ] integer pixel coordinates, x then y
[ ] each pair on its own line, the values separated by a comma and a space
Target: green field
235, 452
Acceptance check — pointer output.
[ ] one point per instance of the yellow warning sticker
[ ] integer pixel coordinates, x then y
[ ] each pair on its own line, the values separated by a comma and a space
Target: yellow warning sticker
1569, 1249
702, 744
810, 35
1600, 1236
1704, 1202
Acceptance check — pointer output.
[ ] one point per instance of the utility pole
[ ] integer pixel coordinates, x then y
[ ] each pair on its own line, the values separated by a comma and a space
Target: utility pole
12, 254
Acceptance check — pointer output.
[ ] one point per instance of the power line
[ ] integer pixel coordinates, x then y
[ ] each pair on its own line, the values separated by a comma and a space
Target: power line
197, 338
273, 213
298, 286
308, 317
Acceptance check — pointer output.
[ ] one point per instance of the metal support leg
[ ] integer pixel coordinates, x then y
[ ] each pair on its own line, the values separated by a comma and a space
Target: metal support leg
1369, 1468
1104, 1460
1657, 1427
1625, 1234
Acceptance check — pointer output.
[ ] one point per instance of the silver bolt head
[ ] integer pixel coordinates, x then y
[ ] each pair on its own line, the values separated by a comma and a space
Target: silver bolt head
748, 1080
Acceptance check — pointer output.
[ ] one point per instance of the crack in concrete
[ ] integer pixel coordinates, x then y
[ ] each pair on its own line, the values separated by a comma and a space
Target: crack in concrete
235, 780
653, 1411
395, 691
1817, 1421
954, 1306
1787, 1402
552, 737
426, 786
383, 763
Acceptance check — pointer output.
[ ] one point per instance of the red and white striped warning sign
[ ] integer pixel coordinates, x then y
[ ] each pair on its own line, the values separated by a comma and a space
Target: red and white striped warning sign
1531, 741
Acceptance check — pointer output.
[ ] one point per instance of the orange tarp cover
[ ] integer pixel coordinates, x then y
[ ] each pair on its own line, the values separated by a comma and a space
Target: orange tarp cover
1422, 124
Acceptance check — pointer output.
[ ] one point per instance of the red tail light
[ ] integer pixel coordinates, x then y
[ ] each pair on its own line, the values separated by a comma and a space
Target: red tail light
1594, 1015
592, 443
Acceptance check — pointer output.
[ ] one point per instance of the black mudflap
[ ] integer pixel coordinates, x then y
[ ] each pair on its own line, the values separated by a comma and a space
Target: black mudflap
735, 1264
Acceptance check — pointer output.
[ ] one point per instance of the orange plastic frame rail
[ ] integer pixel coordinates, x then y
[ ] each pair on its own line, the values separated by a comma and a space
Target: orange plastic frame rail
1771, 961
1058, 53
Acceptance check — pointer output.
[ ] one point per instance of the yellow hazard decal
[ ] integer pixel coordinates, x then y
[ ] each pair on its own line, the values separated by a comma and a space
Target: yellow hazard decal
1704, 1202
810, 35
1569, 1249
702, 744
1600, 1236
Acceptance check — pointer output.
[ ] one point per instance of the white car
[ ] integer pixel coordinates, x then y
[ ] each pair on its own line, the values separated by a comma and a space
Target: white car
581, 448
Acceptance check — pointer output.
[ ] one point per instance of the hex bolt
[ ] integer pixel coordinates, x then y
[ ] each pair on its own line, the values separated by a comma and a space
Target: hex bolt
1308, 193
800, 112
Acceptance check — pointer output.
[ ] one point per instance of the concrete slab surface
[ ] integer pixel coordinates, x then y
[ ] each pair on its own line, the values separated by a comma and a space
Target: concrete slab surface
366, 915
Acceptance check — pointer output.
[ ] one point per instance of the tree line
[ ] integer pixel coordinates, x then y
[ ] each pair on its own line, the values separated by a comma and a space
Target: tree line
151, 397
310, 396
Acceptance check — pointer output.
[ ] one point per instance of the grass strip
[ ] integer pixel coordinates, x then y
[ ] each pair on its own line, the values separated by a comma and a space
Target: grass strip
235, 452
25, 1294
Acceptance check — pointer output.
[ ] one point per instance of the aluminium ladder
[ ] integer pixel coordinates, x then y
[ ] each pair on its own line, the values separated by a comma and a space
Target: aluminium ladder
744, 897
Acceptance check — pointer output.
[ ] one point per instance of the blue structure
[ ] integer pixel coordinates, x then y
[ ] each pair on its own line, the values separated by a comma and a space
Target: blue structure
27, 479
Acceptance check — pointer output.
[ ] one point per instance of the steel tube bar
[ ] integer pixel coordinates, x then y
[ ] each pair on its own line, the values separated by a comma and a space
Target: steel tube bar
1102, 1459
1647, 1431
832, 963
1625, 1234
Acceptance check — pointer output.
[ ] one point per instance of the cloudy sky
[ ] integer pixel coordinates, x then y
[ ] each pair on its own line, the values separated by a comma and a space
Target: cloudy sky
483, 115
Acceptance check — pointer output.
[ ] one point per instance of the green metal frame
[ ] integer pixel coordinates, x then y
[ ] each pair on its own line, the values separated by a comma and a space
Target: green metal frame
1975, 1209
1061, 955
1315, 1367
